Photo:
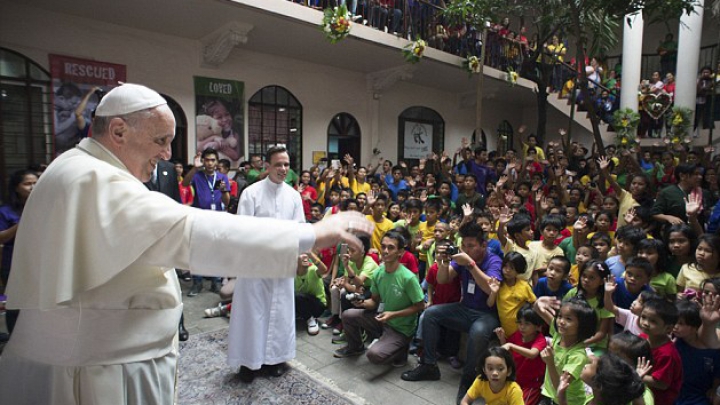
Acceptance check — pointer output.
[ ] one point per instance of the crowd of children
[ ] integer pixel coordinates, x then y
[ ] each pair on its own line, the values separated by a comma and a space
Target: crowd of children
609, 286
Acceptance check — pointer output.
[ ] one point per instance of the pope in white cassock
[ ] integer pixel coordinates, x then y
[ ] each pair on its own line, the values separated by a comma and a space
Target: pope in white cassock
93, 264
262, 321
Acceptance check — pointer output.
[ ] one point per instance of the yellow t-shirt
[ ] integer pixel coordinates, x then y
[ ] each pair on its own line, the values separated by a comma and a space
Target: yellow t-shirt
427, 232
539, 150
574, 275
380, 229
626, 202
509, 301
321, 187
691, 277
511, 394
358, 188
530, 258
544, 255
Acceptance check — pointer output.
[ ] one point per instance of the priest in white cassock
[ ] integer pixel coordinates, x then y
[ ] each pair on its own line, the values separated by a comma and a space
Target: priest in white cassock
93, 264
262, 321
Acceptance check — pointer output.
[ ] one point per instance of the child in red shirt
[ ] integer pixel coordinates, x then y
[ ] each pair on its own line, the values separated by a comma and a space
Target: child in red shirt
657, 320
525, 345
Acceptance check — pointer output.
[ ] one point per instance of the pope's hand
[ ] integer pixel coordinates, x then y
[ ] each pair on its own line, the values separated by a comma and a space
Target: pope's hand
342, 227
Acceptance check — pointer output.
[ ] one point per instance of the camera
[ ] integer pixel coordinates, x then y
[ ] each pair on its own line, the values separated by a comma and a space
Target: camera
452, 250
217, 185
354, 297
343, 249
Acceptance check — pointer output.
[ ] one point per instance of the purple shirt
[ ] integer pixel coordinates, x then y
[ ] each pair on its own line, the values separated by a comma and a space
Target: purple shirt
483, 175
8, 218
206, 193
492, 266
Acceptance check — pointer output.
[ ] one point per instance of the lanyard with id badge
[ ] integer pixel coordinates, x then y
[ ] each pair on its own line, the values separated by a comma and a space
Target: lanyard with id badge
211, 186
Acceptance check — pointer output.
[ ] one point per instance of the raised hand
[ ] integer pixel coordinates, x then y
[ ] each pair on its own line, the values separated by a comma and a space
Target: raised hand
509, 196
709, 149
503, 179
548, 304
505, 216
562, 132
548, 355
545, 204
500, 333
349, 159
538, 196
494, 285
197, 161
710, 309
467, 210
610, 284
630, 215
643, 366
522, 128
580, 224
603, 162
563, 384
693, 204
536, 186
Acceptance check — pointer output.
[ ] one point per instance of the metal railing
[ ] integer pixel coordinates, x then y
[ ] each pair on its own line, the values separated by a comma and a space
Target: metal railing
651, 61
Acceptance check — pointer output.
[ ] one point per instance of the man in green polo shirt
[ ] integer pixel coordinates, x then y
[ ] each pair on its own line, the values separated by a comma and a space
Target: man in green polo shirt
257, 172
390, 314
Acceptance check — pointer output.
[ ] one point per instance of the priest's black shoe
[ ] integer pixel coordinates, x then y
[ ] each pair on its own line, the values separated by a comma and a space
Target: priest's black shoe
183, 334
246, 375
275, 370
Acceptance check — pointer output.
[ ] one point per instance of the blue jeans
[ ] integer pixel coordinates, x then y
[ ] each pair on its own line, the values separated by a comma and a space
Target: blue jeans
479, 325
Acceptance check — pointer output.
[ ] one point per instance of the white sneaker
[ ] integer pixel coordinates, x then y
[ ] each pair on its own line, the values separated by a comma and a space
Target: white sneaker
356, 17
312, 326
215, 312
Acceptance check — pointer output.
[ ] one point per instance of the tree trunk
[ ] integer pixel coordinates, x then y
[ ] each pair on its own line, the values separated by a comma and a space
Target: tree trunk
582, 81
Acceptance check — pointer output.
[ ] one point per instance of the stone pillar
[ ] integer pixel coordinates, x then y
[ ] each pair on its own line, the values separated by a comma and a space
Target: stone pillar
688, 57
631, 60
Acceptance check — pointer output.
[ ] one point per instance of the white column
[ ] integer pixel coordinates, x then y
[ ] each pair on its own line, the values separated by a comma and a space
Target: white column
631, 60
688, 57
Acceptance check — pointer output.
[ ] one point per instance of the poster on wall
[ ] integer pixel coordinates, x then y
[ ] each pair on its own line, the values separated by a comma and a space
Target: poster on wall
418, 140
219, 119
78, 85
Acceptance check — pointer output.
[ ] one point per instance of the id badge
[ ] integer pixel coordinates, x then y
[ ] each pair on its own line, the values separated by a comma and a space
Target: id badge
212, 207
471, 287
381, 308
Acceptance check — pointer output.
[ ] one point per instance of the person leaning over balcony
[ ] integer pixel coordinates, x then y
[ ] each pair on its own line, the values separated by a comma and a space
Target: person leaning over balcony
381, 13
555, 53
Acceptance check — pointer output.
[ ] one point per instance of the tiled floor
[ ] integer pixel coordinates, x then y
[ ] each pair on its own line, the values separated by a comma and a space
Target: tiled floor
376, 384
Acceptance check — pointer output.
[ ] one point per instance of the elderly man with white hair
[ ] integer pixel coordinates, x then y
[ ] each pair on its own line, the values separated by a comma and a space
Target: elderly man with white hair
93, 263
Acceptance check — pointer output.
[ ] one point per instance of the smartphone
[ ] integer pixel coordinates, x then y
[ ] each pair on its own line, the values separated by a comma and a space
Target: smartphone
335, 164
343, 248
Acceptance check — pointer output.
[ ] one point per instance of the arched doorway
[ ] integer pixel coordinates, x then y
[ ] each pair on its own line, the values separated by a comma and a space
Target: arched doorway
421, 131
275, 117
25, 114
343, 137
179, 144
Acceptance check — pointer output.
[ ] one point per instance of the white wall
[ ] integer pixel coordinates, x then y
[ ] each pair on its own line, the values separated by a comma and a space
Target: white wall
168, 65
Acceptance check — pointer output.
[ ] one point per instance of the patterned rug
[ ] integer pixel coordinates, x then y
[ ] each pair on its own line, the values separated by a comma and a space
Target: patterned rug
204, 378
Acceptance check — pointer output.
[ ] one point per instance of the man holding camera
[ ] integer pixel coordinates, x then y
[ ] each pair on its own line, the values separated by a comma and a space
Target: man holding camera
475, 267
212, 192
390, 314
262, 321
